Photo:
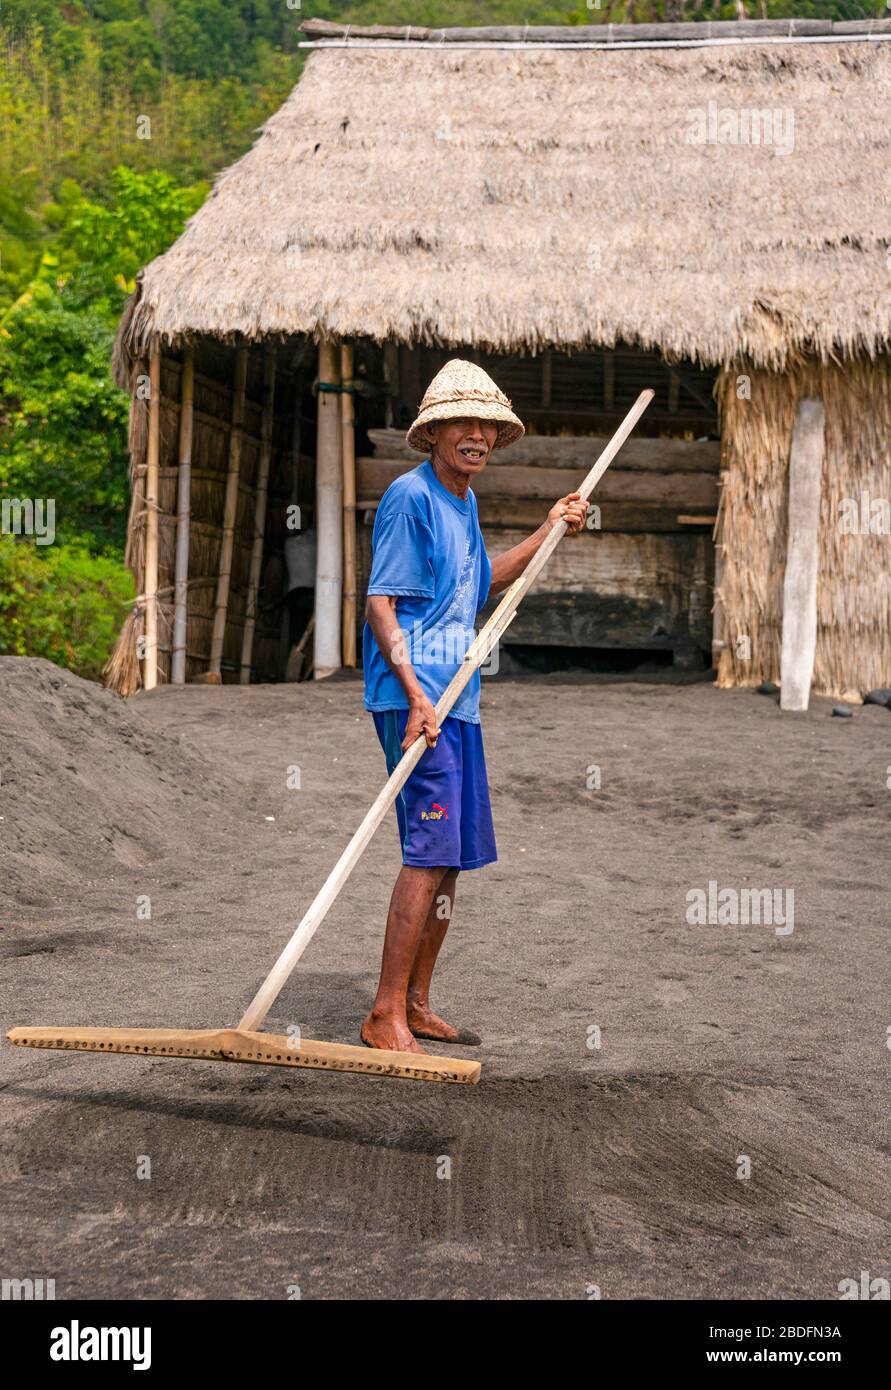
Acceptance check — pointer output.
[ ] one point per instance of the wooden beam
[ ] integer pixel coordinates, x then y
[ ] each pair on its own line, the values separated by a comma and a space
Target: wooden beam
677, 380
800, 582
224, 576
692, 493
329, 516
260, 502
348, 459
183, 519
678, 31
526, 514
612, 621
576, 451
150, 579
573, 420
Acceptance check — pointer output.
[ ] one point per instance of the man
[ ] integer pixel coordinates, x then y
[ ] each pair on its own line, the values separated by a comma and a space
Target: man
430, 576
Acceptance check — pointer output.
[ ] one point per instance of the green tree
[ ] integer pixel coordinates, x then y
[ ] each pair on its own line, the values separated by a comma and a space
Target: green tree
102, 245
63, 421
658, 11
61, 603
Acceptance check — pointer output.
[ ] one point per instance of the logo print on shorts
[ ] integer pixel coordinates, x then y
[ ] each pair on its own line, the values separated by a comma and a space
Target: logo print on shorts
437, 813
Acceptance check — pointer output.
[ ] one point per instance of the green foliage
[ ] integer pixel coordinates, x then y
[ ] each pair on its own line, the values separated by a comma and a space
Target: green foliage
63, 421
205, 39
102, 246
81, 115
449, 13
658, 11
436, 14
62, 603
112, 113
63, 428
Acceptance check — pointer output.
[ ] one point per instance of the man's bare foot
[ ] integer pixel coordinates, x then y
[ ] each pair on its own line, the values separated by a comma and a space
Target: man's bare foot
424, 1023
389, 1032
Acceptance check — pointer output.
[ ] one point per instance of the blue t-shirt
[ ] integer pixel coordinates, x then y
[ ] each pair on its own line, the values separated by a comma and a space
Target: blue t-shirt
428, 551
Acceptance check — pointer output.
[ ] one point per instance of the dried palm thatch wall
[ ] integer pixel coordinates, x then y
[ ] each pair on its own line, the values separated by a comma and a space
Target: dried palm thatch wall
212, 430
854, 579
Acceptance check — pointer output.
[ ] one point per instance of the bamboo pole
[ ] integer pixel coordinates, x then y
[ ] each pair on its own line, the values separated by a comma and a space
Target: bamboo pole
477, 653
227, 544
329, 516
183, 519
284, 647
348, 457
262, 494
152, 474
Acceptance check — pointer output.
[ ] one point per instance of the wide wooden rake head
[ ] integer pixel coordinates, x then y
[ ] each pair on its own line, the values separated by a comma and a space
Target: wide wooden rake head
238, 1045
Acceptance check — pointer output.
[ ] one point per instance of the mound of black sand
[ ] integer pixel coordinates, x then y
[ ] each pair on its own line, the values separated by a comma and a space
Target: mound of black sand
83, 787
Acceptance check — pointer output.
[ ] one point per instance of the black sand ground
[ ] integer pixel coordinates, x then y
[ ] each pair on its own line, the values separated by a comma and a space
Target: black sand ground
571, 1166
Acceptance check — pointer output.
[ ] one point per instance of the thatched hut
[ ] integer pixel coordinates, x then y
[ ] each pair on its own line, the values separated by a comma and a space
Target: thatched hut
698, 208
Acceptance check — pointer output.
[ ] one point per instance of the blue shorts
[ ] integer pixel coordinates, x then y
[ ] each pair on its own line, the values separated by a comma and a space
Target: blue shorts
443, 810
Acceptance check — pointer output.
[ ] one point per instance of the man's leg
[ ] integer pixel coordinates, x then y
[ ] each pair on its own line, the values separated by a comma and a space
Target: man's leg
421, 1019
410, 909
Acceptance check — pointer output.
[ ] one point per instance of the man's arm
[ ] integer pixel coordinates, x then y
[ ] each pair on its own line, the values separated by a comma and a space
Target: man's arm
380, 614
511, 564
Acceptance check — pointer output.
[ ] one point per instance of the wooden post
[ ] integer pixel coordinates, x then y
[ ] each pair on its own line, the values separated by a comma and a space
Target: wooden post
410, 377
227, 544
152, 475
261, 496
391, 375
800, 583
719, 640
348, 455
609, 380
183, 518
546, 380
329, 517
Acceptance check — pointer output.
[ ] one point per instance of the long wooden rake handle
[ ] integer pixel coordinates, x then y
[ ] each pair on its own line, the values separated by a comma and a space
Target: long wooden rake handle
477, 653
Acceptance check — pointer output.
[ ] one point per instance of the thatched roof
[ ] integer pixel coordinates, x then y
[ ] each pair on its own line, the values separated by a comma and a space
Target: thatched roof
523, 197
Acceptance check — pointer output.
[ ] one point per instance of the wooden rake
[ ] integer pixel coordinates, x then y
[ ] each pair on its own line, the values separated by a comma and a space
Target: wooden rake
246, 1043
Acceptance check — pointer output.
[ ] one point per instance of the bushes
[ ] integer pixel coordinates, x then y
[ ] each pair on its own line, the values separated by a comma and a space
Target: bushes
63, 431
61, 603
63, 422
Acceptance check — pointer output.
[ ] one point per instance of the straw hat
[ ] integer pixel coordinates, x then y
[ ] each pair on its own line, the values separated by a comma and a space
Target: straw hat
463, 390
